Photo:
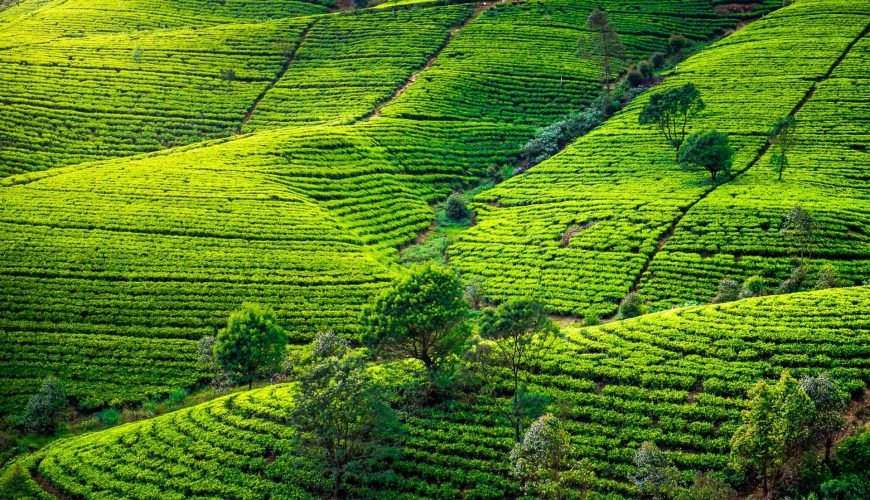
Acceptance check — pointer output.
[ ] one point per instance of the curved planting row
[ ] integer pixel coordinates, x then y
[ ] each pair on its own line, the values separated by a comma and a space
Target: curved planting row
677, 378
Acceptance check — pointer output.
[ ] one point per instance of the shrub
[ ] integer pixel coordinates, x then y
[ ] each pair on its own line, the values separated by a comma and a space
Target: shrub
752, 287
632, 306
109, 417
646, 69
456, 209
46, 408
793, 283
551, 139
658, 59
828, 277
729, 290
634, 77
591, 318
177, 396
677, 43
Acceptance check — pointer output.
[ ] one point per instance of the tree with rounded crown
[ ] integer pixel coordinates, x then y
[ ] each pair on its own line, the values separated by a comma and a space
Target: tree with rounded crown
251, 344
423, 316
708, 150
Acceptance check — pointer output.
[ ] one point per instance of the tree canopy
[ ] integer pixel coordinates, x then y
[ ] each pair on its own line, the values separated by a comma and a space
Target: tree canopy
671, 110
708, 150
423, 316
252, 344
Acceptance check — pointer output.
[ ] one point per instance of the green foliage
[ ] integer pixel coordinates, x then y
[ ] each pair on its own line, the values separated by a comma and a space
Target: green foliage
603, 45
753, 286
671, 111
829, 403
676, 43
729, 290
423, 316
15, 482
655, 475
108, 417
828, 277
551, 139
541, 462
343, 417
516, 335
709, 150
456, 209
632, 306
251, 345
46, 409
775, 424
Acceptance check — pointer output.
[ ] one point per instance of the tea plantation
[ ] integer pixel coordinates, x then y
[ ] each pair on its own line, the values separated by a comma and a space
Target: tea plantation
163, 162
676, 378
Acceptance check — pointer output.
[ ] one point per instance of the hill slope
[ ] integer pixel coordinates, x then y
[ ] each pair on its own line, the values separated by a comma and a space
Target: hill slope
677, 378
304, 218
620, 193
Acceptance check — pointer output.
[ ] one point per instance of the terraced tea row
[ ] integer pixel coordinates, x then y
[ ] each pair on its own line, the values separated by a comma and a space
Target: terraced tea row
613, 195
81, 99
36, 22
676, 378
520, 63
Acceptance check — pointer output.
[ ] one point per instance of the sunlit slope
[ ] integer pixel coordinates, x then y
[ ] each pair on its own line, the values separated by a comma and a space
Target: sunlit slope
38, 21
78, 99
734, 232
577, 230
677, 378
520, 63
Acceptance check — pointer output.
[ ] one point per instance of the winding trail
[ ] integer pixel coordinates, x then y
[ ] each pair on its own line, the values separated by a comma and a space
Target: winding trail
478, 10
669, 232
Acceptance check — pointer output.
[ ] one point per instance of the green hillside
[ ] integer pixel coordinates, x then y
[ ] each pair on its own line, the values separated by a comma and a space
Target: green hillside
677, 378
306, 218
621, 186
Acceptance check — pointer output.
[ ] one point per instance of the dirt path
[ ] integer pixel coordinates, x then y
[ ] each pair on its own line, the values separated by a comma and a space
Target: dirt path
287, 63
478, 9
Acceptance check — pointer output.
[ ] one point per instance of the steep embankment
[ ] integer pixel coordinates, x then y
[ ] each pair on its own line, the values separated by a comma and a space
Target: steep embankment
676, 378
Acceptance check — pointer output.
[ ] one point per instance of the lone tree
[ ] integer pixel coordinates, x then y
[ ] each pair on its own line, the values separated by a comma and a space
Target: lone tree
539, 461
252, 344
708, 150
422, 317
781, 138
603, 45
830, 404
671, 110
774, 427
345, 423
799, 229
45, 409
517, 336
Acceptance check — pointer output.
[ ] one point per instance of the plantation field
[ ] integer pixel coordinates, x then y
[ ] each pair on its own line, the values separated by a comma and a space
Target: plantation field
619, 191
302, 214
677, 378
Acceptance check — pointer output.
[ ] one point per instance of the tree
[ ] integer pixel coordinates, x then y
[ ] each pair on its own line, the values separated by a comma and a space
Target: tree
709, 150
343, 417
45, 409
799, 229
252, 344
773, 427
521, 335
781, 138
655, 473
603, 44
671, 110
422, 317
539, 461
830, 404
729, 290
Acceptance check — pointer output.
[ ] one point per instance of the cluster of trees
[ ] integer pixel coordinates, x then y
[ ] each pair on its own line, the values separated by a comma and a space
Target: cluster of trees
783, 421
